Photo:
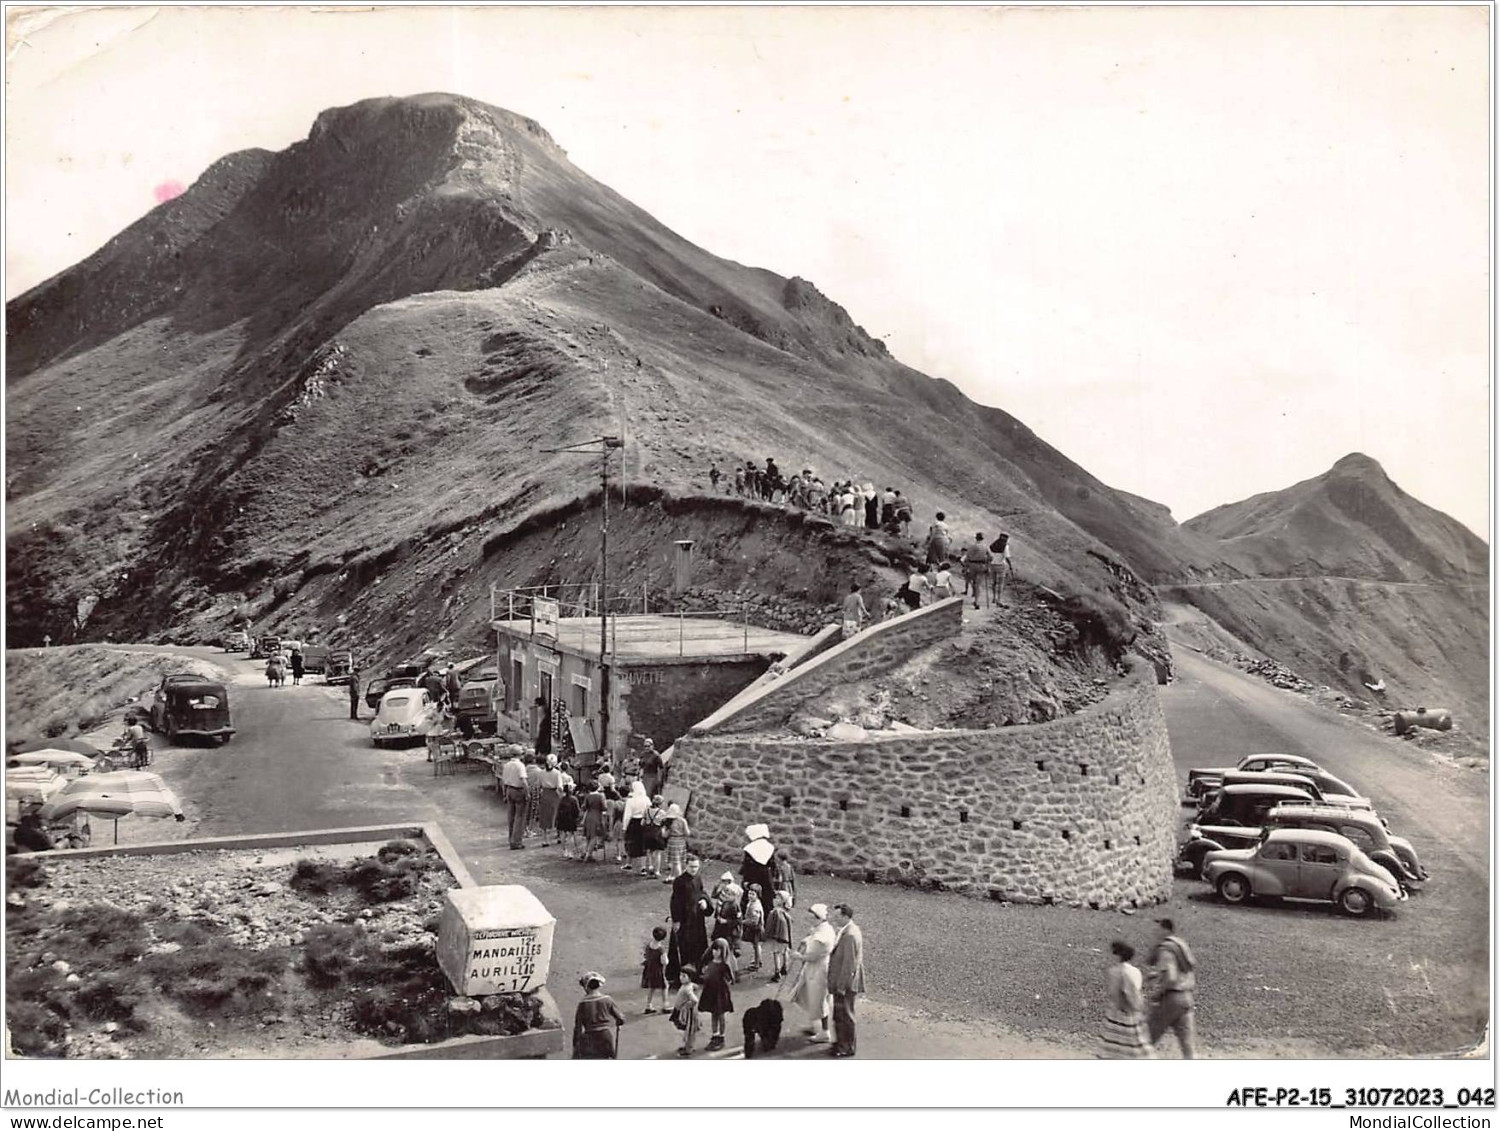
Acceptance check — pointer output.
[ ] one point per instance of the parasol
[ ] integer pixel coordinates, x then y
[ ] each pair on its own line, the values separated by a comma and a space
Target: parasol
33, 784
115, 795
54, 758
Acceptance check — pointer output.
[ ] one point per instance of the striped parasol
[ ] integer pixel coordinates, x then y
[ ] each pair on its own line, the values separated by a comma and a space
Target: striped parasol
115, 795
56, 758
32, 784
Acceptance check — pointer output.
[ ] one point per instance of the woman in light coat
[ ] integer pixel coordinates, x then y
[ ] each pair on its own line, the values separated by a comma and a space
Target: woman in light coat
633, 822
811, 989
1123, 1036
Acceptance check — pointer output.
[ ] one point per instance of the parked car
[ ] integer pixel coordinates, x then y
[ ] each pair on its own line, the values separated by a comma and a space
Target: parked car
1365, 829
236, 641
1303, 864
1312, 780
406, 714
315, 658
340, 666
377, 688
476, 703
186, 705
265, 646
1246, 806
1202, 781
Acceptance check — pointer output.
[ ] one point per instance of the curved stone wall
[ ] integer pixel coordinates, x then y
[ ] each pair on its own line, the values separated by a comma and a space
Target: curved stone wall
1081, 810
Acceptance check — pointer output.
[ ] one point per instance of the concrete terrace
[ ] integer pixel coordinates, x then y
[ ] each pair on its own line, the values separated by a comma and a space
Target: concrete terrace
657, 638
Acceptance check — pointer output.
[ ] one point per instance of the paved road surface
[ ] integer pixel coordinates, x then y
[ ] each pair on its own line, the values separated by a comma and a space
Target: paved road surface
953, 977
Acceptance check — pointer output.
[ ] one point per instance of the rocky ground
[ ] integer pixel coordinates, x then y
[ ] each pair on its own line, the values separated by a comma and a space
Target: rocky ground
1012, 665
248, 900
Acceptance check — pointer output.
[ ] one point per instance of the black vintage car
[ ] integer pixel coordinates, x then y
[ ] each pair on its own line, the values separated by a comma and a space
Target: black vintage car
190, 706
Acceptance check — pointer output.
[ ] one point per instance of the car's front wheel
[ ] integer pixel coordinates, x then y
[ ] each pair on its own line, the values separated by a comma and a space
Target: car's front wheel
1234, 888
1356, 902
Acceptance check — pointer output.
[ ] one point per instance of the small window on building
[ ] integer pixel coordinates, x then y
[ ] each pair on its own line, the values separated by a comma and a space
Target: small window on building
906, 810
513, 688
963, 816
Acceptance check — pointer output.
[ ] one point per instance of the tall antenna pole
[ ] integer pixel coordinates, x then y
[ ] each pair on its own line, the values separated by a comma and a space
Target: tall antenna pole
604, 598
607, 445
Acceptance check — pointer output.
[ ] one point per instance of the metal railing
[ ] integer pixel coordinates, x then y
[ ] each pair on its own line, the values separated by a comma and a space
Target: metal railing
578, 610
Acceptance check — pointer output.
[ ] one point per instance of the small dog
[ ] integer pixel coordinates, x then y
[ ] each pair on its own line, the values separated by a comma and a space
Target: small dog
763, 1021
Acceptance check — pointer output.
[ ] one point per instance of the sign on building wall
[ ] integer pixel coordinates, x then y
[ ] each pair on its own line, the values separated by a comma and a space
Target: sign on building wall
544, 613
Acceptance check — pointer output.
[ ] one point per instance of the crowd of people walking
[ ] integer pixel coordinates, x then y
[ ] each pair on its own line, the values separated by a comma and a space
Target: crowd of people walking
714, 941
984, 564
846, 501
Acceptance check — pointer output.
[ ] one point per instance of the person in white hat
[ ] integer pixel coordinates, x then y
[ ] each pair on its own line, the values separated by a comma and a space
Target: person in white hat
596, 1022
811, 989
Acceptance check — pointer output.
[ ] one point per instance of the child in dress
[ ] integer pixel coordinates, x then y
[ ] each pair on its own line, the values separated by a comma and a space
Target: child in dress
778, 934
569, 813
752, 925
727, 922
715, 999
654, 969
685, 1012
677, 838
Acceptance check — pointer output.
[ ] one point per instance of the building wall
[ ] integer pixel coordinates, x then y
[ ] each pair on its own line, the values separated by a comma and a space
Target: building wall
1081, 810
661, 701
877, 649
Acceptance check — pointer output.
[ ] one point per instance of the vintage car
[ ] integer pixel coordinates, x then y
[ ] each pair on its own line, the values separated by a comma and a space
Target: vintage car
1246, 806
1365, 829
476, 703
1303, 864
1201, 781
315, 658
406, 714
264, 646
377, 687
237, 641
191, 706
1319, 784
340, 666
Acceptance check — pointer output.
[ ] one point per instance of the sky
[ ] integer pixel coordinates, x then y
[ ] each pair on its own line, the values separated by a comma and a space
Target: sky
1204, 252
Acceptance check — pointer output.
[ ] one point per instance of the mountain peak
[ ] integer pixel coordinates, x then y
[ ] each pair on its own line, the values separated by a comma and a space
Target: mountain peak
420, 113
1357, 463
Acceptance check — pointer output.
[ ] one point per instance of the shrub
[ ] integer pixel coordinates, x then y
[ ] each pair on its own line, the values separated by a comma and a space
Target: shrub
315, 877
112, 996
332, 951
394, 850
24, 872
219, 978
100, 935
1101, 620
34, 1029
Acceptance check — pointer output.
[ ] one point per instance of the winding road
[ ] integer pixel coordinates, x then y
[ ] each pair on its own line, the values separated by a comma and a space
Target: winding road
953, 977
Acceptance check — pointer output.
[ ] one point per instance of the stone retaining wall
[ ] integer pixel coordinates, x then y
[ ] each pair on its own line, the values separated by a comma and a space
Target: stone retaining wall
877, 649
1081, 810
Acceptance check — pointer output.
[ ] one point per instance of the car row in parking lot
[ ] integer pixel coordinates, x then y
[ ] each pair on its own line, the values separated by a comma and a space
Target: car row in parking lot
1280, 826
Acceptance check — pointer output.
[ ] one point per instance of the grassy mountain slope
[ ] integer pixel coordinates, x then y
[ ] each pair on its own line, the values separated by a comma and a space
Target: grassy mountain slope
293, 386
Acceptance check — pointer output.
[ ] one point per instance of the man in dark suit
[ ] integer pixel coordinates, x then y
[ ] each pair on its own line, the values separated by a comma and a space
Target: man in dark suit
846, 977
